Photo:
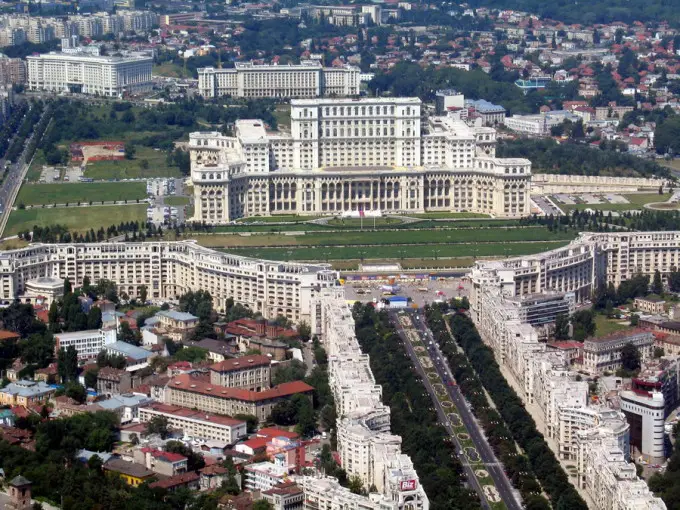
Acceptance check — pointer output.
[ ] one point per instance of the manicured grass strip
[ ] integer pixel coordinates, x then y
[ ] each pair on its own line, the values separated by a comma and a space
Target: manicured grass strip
176, 200
322, 254
80, 219
133, 168
38, 194
391, 237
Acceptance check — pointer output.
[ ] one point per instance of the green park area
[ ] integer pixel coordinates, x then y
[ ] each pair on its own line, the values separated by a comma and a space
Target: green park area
176, 201
147, 162
393, 239
170, 70
636, 202
86, 192
80, 219
605, 326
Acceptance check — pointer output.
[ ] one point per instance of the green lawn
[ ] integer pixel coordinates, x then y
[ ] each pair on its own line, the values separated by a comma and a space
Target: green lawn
365, 223
354, 239
80, 219
282, 115
38, 194
175, 200
35, 169
637, 201
133, 169
607, 326
447, 215
283, 218
321, 253
171, 70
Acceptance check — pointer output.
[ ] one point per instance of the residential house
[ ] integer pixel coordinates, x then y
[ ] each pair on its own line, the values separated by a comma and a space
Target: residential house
212, 477
161, 462
247, 372
285, 496
133, 474
25, 393
113, 381
188, 480
176, 325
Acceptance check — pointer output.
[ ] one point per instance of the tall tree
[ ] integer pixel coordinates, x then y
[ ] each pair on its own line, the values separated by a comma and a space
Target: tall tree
143, 293
562, 327
630, 357
657, 283
94, 318
67, 286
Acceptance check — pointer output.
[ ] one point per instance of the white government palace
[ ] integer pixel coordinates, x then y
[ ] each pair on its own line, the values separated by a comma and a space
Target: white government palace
307, 79
353, 155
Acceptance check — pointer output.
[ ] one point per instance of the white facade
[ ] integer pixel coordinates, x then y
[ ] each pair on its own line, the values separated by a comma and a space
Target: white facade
197, 424
88, 343
598, 438
307, 79
170, 269
366, 446
646, 412
104, 76
604, 353
353, 155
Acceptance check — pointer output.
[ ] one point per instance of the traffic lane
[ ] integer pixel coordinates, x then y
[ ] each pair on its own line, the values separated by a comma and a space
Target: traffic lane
487, 454
472, 478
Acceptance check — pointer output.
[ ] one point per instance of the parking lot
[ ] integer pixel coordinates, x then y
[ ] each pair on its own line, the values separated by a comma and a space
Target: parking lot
421, 292
51, 174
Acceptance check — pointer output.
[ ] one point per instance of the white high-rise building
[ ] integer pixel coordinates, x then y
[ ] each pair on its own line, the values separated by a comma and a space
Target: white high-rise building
369, 154
86, 74
307, 79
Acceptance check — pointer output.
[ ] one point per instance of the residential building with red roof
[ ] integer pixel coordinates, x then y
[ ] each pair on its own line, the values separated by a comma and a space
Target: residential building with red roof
199, 392
161, 462
188, 480
197, 424
247, 372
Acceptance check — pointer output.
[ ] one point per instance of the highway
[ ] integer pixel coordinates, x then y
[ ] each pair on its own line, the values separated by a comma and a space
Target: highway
10, 186
495, 469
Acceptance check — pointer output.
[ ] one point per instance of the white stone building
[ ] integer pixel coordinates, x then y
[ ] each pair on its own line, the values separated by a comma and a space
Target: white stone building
355, 155
307, 79
366, 446
88, 343
87, 74
170, 269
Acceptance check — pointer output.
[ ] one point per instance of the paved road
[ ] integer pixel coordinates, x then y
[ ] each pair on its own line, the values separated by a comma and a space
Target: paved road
12, 183
495, 469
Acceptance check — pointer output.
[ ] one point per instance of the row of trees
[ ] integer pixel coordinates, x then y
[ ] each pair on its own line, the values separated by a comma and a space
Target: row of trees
519, 422
412, 416
548, 156
500, 438
57, 233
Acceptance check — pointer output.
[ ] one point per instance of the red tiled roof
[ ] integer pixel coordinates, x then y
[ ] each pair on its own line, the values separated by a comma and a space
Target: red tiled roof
215, 469
256, 443
177, 480
8, 335
232, 365
187, 383
185, 412
276, 432
165, 456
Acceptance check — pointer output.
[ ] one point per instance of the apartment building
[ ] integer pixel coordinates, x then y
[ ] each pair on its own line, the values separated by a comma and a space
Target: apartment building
170, 269
645, 412
307, 79
197, 424
575, 429
247, 372
113, 381
604, 353
200, 393
650, 304
609, 478
12, 70
88, 74
367, 448
366, 154
88, 343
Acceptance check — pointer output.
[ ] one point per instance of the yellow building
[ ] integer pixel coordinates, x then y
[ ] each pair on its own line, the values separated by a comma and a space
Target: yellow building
24, 393
133, 474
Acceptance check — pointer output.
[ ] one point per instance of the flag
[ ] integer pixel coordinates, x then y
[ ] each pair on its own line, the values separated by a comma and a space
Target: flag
361, 212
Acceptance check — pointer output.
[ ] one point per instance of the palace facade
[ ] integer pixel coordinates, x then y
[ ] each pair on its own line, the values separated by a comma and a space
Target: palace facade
344, 155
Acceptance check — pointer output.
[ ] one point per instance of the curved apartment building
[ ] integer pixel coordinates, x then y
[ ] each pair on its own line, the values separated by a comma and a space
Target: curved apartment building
578, 268
168, 270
